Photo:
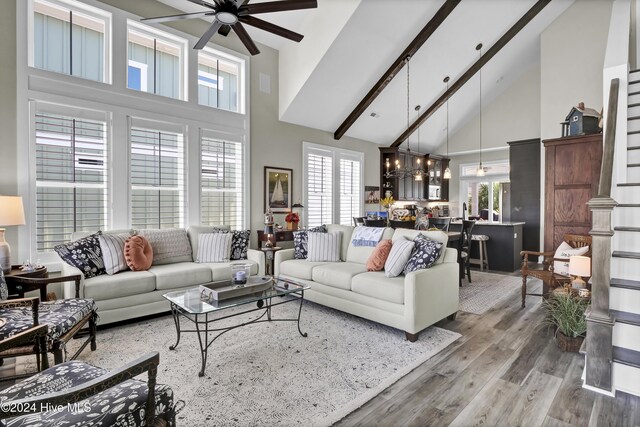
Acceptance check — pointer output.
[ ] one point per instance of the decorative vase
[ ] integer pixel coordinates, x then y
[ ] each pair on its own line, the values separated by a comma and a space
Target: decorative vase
568, 344
292, 226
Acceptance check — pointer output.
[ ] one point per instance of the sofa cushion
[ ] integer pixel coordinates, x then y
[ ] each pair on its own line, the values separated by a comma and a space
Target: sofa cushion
170, 245
222, 270
361, 254
376, 285
379, 256
347, 231
84, 254
425, 253
438, 236
123, 284
194, 232
337, 274
138, 253
323, 247
112, 247
214, 247
400, 253
169, 276
299, 268
301, 240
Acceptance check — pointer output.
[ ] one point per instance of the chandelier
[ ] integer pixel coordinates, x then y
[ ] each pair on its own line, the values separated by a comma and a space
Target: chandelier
408, 171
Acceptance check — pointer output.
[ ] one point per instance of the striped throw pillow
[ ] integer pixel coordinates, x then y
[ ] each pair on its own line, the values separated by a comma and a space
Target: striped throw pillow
323, 247
214, 247
112, 247
398, 257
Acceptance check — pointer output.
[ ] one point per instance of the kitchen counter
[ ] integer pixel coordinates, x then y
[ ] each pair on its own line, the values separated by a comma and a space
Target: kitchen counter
503, 247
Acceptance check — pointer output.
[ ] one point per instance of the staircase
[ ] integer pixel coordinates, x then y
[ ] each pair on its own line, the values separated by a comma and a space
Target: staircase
624, 294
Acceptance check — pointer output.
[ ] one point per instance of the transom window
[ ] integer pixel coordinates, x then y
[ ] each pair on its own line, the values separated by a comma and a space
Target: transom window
219, 80
71, 38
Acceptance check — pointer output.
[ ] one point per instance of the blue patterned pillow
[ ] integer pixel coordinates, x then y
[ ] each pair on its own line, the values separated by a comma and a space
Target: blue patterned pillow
425, 254
301, 239
84, 254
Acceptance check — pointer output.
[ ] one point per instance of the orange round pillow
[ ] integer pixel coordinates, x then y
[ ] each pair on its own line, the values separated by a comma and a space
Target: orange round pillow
138, 253
379, 256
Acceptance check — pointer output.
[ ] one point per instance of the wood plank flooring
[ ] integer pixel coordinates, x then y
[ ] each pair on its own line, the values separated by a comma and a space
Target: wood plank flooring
506, 370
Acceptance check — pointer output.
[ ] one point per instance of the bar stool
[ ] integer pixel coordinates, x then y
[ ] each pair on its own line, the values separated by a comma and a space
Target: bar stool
482, 240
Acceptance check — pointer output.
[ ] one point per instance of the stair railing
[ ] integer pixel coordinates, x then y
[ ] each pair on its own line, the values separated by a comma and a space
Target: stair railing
599, 340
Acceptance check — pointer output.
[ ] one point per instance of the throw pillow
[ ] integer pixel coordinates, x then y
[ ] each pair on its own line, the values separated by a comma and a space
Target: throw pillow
214, 247
84, 254
425, 254
112, 247
239, 243
300, 239
379, 256
4, 290
169, 245
138, 253
565, 251
323, 247
398, 257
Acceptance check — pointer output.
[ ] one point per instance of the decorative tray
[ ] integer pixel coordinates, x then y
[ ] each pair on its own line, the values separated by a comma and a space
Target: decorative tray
219, 291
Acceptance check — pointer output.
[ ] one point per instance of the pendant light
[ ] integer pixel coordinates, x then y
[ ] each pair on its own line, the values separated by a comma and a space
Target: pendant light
419, 171
447, 171
480, 168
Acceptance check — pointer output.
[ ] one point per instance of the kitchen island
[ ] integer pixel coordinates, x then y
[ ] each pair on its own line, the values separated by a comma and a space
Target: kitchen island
504, 245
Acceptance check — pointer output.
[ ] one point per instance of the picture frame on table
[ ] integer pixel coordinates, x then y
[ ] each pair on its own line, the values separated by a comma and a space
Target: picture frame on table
278, 189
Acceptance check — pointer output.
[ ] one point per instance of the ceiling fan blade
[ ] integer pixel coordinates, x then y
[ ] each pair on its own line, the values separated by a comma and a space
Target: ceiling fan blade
177, 17
245, 39
272, 28
208, 34
276, 6
205, 3
224, 30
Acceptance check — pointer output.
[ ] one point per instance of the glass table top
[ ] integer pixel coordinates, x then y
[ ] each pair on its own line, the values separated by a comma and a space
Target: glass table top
190, 300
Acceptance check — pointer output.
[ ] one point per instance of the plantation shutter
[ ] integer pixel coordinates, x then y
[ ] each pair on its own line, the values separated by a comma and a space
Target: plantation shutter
350, 190
319, 188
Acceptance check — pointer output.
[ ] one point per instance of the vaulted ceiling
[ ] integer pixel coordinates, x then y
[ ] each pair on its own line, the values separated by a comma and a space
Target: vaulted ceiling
349, 44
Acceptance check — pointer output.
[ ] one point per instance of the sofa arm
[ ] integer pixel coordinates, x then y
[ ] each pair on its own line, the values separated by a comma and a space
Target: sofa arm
450, 255
281, 255
69, 288
257, 256
430, 295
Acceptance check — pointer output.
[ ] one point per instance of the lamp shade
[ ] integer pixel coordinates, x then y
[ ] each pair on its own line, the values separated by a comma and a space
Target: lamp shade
580, 266
268, 229
11, 211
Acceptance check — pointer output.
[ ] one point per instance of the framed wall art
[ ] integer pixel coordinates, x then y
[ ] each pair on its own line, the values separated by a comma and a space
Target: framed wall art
277, 189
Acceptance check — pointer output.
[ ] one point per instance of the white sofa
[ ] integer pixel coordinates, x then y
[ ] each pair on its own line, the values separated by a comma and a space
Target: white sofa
130, 294
409, 303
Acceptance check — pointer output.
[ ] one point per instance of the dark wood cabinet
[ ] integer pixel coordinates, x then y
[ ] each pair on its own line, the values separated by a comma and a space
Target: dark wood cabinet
408, 188
524, 194
572, 173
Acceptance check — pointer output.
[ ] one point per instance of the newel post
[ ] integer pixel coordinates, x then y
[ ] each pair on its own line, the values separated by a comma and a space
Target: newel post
599, 358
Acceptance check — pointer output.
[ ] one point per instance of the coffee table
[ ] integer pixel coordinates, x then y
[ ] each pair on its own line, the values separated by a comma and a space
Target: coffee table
202, 314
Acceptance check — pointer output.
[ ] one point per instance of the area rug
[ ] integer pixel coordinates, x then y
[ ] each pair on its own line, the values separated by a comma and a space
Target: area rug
486, 290
267, 374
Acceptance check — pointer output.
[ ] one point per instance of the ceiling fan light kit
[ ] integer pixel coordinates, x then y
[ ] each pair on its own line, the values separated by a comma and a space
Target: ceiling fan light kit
232, 14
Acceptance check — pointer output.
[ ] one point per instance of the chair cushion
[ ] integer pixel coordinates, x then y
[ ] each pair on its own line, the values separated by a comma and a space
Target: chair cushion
337, 274
59, 315
479, 237
122, 404
138, 253
565, 250
123, 284
299, 268
376, 285
182, 274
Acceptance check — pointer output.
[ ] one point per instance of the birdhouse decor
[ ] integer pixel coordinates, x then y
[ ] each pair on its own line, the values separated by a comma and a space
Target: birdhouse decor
581, 121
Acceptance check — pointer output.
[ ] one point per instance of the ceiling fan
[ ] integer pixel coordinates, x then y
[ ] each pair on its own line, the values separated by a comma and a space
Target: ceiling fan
231, 14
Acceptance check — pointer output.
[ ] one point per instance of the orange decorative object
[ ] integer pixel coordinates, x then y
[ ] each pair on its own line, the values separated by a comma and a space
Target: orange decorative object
138, 253
379, 256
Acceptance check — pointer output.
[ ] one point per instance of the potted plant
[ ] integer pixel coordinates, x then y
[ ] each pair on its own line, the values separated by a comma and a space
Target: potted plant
292, 219
566, 313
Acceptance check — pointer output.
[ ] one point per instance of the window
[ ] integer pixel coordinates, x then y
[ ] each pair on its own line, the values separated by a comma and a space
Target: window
155, 62
71, 38
157, 178
477, 191
71, 177
222, 181
219, 80
333, 184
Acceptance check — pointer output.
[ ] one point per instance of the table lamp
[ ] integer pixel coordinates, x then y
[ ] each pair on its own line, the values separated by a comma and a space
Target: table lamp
268, 228
11, 213
579, 266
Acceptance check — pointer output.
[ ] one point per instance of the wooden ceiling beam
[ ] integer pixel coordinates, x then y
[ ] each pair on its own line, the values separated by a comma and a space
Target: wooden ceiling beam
515, 29
397, 65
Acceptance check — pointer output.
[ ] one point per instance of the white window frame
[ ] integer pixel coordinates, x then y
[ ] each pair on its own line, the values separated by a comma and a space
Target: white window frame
82, 8
336, 154
465, 180
143, 73
148, 31
242, 70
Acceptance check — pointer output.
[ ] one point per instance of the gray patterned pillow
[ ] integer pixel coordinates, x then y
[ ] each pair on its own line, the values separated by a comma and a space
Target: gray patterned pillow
301, 239
84, 254
425, 254
170, 245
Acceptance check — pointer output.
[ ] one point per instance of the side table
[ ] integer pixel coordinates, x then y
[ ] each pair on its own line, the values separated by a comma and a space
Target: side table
269, 254
19, 281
